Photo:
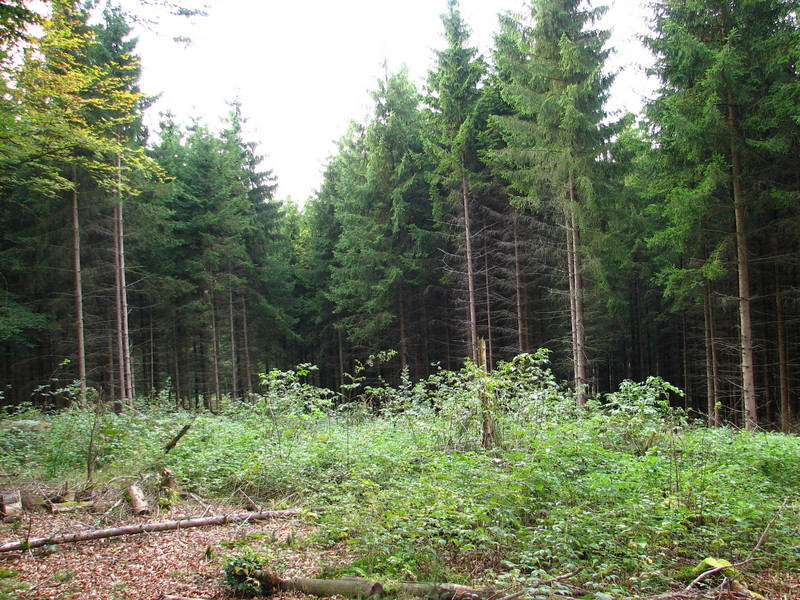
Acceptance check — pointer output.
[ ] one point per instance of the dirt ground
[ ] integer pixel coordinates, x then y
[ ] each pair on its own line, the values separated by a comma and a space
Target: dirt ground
185, 563
148, 566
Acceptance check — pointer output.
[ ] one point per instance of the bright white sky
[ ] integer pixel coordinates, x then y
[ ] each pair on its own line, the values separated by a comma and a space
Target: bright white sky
303, 69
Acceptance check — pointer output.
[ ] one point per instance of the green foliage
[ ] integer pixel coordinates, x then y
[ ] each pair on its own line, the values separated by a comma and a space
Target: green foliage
240, 570
627, 487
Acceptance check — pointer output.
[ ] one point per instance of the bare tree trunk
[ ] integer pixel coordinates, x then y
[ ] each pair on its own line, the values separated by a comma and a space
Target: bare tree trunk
572, 309
576, 297
177, 366
783, 354
489, 343
742, 263
712, 409
121, 296
471, 301
78, 287
580, 321
522, 346
248, 374
340, 340
488, 426
126, 341
234, 373
402, 323
120, 360
215, 351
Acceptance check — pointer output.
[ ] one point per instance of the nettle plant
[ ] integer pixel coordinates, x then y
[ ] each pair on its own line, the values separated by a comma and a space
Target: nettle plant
519, 393
639, 413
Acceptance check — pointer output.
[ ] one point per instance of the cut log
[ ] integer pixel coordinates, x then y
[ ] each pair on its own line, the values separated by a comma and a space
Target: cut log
10, 505
98, 534
135, 495
174, 441
355, 587
446, 591
351, 587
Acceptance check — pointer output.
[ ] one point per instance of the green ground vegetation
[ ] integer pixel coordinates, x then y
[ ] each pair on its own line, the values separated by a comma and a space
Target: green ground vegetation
629, 487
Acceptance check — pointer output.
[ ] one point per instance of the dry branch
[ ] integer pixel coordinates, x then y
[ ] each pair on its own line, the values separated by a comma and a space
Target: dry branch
143, 528
174, 441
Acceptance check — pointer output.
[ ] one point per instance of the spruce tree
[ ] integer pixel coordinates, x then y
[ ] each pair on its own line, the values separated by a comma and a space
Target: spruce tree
552, 75
723, 125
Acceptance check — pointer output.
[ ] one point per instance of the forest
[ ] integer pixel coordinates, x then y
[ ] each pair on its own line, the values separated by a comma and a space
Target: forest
514, 342
500, 201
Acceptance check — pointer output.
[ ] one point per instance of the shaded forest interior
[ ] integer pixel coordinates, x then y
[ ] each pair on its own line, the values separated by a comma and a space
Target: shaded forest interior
499, 202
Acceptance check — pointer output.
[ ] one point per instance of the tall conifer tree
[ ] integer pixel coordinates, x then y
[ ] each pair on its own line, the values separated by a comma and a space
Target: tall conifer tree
553, 77
724, 121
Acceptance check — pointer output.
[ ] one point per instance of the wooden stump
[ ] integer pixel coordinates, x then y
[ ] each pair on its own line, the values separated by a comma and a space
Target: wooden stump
10, 505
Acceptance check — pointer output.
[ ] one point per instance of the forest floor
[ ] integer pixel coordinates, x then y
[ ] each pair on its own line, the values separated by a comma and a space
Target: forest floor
185, 562
188, 563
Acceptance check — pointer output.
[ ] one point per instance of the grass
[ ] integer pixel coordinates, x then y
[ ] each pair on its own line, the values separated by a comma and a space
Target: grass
628, 488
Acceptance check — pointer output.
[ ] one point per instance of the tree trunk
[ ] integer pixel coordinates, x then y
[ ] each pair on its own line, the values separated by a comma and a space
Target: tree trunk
521, 344
78, 288
120, 360
576, 297
742, 264
712, 390
471, 300
488, 426
215, 351
234, 373
248, 374
489, 358
402, 324
783, 355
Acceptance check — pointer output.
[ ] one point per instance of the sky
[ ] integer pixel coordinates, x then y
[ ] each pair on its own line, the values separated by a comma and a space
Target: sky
303, 69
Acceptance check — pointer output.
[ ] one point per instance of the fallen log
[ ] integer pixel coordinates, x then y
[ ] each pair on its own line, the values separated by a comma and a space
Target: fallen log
352, 587
355, 587
446, 591
98, 534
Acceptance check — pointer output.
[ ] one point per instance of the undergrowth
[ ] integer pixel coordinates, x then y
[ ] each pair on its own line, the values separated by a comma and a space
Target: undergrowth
628, 488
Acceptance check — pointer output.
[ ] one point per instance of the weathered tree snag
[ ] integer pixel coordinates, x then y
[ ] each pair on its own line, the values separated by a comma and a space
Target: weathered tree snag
135, 495
98, 534
169, 489
174, 441
10, 505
